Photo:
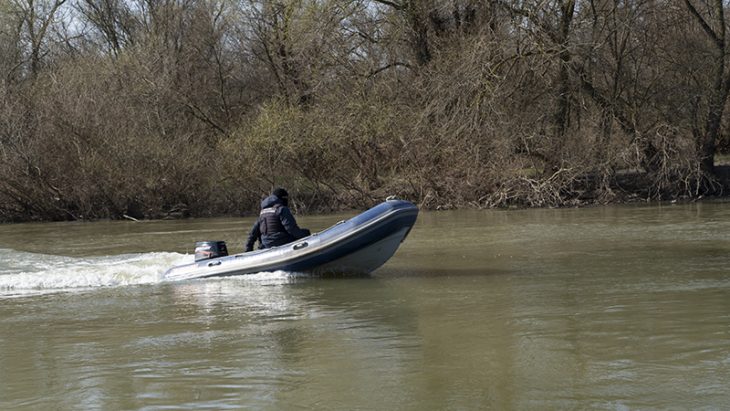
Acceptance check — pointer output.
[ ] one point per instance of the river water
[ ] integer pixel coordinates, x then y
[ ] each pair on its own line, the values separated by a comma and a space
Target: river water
600, 308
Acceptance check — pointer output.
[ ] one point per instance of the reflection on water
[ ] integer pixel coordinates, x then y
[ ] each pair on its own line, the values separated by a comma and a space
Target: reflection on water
615, 308
212, 344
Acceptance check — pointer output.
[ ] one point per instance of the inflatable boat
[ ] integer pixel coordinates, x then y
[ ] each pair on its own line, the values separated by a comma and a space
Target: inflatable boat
355, 246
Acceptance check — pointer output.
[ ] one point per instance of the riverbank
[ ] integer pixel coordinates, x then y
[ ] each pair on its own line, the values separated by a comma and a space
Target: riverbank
448, 104
627, 188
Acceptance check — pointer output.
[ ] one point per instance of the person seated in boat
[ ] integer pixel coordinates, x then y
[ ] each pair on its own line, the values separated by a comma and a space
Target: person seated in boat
276, 224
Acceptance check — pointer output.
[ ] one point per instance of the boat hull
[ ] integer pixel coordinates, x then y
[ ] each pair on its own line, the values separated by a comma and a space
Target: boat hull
359, 245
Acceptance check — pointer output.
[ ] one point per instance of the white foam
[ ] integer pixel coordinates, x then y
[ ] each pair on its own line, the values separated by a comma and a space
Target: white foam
29, 273
23, 273
278, 277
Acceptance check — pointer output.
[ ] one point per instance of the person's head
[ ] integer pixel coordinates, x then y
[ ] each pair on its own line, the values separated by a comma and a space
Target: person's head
282, 195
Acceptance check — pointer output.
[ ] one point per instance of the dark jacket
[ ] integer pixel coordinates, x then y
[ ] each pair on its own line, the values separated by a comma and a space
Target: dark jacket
276, 226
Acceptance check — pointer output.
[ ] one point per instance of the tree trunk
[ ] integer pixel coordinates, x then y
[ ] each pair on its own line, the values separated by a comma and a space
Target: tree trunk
721, 84
562, 114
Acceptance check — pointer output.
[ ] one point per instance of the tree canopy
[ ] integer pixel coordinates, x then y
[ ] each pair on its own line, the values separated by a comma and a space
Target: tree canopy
152, 107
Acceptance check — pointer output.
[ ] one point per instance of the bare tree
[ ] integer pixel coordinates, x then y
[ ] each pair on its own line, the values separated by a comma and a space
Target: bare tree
37, 17
415, 13
113, 19
710, 15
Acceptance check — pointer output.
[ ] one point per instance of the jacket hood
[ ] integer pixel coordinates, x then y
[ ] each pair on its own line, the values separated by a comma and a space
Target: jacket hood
270, 201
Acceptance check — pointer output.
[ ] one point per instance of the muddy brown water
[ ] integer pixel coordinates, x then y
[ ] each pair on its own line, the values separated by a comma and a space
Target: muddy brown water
599, 308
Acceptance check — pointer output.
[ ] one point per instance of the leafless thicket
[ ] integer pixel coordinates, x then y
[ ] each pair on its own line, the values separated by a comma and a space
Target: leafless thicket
149, 108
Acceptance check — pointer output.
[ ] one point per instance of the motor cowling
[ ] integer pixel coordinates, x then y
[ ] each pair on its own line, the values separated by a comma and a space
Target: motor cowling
205, 250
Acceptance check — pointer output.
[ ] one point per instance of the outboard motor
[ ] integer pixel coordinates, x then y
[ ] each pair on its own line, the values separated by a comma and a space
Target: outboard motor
205, 250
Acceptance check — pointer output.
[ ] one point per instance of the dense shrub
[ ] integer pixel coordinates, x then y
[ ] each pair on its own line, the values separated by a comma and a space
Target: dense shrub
201, 107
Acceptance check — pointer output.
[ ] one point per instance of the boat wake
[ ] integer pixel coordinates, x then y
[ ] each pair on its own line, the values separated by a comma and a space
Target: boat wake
24, 274
29, 273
